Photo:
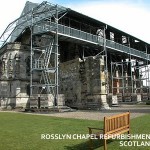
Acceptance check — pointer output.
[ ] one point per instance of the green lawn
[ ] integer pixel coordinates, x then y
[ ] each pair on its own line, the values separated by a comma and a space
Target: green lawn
20, 131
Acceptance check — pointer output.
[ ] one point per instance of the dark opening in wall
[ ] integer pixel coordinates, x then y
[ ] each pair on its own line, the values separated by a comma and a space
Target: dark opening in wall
28, 65
28, 89
69, 51
1, 68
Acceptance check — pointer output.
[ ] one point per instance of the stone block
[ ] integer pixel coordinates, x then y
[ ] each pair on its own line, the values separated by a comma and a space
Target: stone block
136, 97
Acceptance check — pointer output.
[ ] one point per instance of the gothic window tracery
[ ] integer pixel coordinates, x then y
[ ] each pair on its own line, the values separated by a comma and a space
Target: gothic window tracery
17, 64
4, 64
10, 66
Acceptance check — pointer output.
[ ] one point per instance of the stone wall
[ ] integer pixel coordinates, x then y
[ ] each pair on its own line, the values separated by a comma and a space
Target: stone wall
15, 79
80, 82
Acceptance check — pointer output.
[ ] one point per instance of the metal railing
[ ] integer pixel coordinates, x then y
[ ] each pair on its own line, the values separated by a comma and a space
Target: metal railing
87, 37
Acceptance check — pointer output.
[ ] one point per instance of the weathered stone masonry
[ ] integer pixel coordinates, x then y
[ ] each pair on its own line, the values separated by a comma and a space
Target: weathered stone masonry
80, 82
14, 78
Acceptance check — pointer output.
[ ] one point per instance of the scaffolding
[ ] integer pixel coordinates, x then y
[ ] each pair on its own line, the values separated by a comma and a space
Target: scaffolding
102, 55
43, 22
130, 78
44, 52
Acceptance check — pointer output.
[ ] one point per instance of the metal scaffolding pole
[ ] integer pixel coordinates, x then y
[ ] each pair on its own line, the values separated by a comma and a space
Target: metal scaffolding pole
56, 59
130, 60
112, 78
123, 80
31, 53
106, 61
147, 81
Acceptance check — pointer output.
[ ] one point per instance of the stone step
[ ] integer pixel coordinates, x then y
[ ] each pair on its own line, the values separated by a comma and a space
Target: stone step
92, 105
115, 105
51, 109
128, 103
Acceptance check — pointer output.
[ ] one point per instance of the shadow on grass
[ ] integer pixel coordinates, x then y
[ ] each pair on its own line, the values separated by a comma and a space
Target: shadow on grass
86, 145
146, 111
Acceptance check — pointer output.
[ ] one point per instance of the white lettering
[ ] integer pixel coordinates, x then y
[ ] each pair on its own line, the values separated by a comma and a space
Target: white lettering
52, 136
121, 143
42, 136
48, 136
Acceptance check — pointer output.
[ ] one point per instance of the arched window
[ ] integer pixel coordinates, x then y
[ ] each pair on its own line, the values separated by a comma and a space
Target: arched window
4, 65
10, 66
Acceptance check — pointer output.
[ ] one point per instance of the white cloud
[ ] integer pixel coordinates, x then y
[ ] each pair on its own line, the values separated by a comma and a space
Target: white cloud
132, 18
11, 10
125, 15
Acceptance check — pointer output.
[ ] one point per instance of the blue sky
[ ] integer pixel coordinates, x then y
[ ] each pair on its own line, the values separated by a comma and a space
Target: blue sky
131, 16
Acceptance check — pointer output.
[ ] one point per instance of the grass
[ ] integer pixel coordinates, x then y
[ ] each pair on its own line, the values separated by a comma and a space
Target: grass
23, 132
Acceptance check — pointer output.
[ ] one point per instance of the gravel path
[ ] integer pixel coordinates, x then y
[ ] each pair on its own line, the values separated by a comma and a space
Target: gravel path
99, 115
96, 115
